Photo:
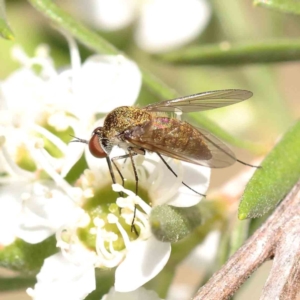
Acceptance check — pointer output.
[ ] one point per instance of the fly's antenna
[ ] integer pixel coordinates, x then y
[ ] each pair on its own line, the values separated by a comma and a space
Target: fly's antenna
79, 140
249, 165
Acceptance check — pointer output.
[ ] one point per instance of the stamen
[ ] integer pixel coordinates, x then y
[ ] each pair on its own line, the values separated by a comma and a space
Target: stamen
74, 52
127, 215
84, 220
98, 222
103, 236
118, 188
111, 246
144, 218
40, 157
146, 208
13, 168
51, 137
114, 220
125, 203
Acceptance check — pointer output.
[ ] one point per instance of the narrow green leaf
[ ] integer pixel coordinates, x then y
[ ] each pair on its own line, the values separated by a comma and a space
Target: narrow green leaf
5, 30
279, 173
288, 6
234, 54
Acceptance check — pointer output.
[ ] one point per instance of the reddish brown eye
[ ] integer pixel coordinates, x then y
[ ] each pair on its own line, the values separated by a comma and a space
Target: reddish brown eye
95, 147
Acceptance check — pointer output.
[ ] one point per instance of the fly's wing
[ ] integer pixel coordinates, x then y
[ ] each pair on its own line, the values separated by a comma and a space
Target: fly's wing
202, 147
201, 101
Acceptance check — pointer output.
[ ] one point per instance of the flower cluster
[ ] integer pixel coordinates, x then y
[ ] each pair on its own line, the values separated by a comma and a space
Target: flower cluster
40, 108
161, 25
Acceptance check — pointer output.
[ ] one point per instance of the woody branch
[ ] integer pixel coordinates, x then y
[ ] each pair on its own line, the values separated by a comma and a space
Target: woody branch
278, 238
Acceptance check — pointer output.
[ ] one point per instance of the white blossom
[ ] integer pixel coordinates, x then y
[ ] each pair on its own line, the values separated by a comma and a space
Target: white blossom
42, 202
161, 25
142, 256
35, 199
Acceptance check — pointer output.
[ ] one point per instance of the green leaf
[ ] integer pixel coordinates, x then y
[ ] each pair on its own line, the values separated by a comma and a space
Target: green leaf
5, 30
16, 283
25, 257
279, 173
226, 53
288, 6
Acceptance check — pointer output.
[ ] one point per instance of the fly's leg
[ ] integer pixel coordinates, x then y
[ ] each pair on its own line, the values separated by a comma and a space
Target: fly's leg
131, 152
118, 170
167, 165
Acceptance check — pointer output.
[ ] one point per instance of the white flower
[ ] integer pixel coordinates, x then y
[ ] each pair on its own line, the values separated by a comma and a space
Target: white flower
161, 24
137, 258
92, 230
60, 279
138, 294
30, 211
32, 101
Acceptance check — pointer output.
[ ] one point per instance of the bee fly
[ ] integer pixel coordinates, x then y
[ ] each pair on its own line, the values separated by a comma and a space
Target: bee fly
138, 130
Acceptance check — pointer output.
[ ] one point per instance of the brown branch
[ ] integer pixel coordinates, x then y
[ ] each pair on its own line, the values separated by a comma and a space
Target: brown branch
284, 280
271, 239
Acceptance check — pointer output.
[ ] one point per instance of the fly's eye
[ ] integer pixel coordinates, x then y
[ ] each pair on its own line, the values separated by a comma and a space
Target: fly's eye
97, 130
95, 146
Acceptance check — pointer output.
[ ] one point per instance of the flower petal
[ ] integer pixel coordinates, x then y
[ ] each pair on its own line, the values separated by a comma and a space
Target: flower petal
166, 188
107, 14
61, 279
198, 179
10, 207
72, 155
45, 210
143, 262
106, 82
166, 24
30, 90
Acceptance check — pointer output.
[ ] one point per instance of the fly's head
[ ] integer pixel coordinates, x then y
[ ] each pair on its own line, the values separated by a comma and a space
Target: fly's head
99, 145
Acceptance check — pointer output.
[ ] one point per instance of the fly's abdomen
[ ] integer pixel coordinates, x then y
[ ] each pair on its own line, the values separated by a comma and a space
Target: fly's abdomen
177, 136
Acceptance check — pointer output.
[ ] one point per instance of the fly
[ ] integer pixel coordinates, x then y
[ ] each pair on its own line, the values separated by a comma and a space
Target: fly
138, 130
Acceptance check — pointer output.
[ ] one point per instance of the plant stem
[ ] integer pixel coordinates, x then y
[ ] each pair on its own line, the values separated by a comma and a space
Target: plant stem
266, 242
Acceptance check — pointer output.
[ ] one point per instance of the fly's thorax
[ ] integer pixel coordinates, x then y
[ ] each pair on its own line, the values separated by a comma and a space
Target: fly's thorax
124, 118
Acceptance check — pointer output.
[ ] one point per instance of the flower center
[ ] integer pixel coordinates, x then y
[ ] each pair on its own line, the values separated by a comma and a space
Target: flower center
111, 215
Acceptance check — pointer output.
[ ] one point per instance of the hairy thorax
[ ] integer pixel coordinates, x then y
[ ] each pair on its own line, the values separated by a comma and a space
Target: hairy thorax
124, 118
